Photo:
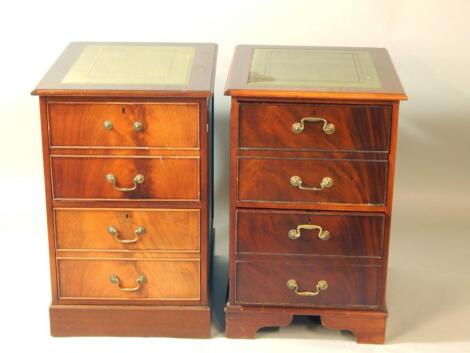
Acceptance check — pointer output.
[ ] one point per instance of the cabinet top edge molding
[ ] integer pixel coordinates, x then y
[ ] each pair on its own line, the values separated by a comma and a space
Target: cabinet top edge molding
129, 69
313, 72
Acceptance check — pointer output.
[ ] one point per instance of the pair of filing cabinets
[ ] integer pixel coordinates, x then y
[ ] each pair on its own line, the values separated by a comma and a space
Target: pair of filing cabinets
128, 157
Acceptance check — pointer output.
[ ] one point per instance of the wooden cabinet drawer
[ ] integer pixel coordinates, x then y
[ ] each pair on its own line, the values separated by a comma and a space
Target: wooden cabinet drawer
265, 283
158, 125
353, 181
310, 233
164, 279
357, 128
128, 229
164, 178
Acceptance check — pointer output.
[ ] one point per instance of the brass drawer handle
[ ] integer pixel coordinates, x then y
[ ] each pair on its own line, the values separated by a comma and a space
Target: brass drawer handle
137, 232
136, 125
140, 280
293, 285
328, 128
323, 234
326, 182
138, 179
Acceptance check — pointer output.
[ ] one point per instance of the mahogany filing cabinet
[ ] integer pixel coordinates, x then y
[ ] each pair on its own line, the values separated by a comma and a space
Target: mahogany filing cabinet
313, 145
127, 145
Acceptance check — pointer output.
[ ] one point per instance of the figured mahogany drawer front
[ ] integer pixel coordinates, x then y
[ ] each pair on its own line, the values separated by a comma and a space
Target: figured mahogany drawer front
160, 178
310, 233
129, 229
160, 279
158, 125
266, 283
292, 180
336, 127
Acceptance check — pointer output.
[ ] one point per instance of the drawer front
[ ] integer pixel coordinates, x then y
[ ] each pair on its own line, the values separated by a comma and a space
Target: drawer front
164, 178
152, 230
356, 128
164, 279
158, 125
353, 182
310, 233
265, 283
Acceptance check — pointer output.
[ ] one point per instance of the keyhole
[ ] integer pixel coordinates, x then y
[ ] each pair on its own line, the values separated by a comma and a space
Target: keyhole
123, 110
127, 216
309, 220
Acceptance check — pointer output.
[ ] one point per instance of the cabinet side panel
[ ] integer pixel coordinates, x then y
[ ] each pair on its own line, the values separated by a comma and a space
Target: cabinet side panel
204, 190
48, 191
389, 201
234, 114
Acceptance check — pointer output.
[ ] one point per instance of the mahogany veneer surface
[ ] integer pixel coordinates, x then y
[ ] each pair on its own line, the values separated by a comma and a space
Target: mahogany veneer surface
354, 182
165, 178
164, 125
359, 128
350, 234
127, 133
264, 283
88, 279
164, 230
312, 157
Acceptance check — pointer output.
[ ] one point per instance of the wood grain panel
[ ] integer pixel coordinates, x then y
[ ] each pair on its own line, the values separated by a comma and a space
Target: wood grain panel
357, 128
354, 182
165, 230
130, 320
264, 283
351, 234
169, 125
166, 178
166, 279
367, 325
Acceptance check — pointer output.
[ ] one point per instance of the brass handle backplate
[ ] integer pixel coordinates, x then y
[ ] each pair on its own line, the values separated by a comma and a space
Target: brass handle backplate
328, 128
137, 232
326, 182
138, 179
323, 234
321, 286
139, 281
136, 125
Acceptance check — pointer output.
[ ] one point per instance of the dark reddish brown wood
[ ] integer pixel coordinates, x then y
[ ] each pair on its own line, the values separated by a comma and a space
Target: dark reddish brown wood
138, 321
264, 283
368, 326
354, 182
165, 178
390, 188
350, 234
357, 128
353, 156
319, 261
234, 114
245, 323
264, 206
